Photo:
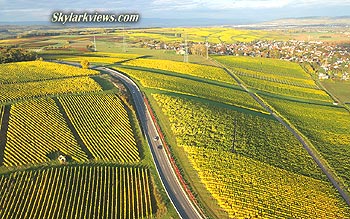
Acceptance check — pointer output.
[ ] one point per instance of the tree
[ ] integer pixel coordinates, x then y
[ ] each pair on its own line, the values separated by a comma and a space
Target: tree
12, 54
198, 49
85, 64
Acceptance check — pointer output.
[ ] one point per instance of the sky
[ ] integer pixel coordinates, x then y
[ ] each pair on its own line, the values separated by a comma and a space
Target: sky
235, 11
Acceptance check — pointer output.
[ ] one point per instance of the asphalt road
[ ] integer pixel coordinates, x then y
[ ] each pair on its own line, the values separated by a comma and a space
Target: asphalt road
175, 192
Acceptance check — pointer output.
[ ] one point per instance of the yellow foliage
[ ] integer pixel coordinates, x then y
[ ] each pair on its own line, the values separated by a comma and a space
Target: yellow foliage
103, 124
38, 70
37, 128
202, 71
245, 188
18, 91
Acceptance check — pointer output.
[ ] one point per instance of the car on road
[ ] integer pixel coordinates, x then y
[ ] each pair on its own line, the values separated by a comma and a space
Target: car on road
160, 146
156, 138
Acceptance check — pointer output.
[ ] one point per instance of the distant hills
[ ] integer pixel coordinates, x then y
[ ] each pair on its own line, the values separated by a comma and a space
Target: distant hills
343, 21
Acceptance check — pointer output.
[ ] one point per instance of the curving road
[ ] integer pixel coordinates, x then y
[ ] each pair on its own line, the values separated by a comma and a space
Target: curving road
173, 188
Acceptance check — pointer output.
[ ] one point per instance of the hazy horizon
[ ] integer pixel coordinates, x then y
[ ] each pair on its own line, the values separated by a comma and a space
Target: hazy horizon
233, 11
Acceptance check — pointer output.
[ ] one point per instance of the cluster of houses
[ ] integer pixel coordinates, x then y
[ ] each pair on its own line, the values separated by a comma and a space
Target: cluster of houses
330, 60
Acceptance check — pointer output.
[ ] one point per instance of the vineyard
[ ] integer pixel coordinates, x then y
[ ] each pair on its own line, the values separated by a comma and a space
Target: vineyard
201, 71
37, 129
289, 80
328, 128
103, 124
285, 89
98, 191
99, 60
247, 188
246, 162
266, 66
59, 110
198, 34
269, 175
37, 71
232, 96
275, 76
203, 125
101, 57
20, 91
124, 56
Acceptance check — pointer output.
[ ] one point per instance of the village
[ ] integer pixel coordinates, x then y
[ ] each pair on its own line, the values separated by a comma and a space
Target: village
330, 61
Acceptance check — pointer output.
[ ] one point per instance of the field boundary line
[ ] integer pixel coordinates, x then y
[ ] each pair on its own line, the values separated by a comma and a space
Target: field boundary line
308, 146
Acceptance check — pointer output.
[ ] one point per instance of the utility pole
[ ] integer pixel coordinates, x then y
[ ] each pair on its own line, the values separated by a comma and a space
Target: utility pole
95, 49
186, 50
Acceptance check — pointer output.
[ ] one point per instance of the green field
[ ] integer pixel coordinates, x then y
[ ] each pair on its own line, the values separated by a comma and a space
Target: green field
261, 159
27, 90
201, 124
38, 71
100, 57
201, 71
341, 89
307, 107
326, 127
272, 67
276, 77
245, 187
227, 94
26, 80
214, 35
200, 119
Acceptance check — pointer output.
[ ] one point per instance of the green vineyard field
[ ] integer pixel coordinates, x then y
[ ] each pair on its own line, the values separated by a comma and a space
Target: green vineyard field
101, 57
201, 71
38, 70
269, 175
286, 89
285, 79
247, 188
232, 96
99, 60
84, 191
275, 76
37, 129
328, 128
55, 110
20, 91
264, 65
103, 124
203, 125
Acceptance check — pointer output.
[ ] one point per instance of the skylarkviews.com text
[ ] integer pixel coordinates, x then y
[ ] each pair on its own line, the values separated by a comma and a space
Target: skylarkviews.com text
86, 17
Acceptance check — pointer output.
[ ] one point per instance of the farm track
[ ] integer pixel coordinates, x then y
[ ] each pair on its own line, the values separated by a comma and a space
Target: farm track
333, 178
3, 131
72, 128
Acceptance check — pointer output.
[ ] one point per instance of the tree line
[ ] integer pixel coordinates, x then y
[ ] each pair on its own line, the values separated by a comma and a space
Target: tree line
10, 54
